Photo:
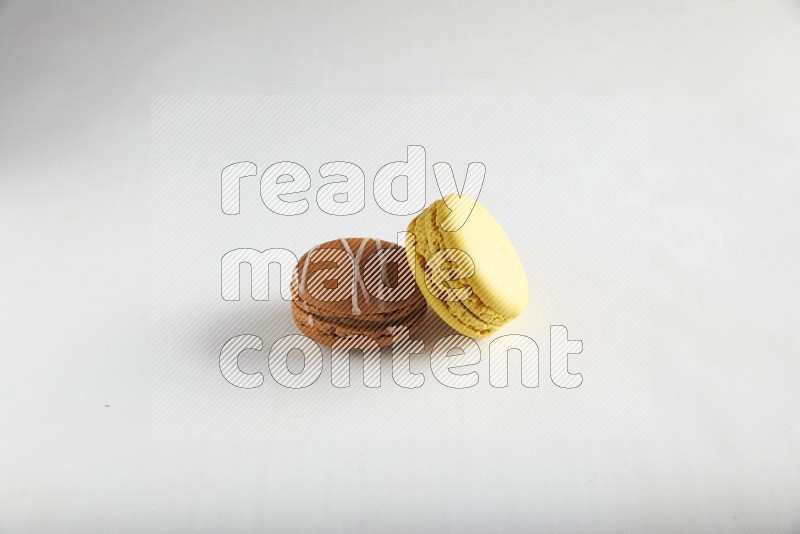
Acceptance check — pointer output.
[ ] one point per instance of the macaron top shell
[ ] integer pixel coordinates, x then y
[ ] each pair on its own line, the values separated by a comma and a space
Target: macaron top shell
356, 278
499, 278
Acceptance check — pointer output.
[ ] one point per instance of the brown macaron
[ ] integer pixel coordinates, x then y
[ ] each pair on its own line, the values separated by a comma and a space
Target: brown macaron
355, 286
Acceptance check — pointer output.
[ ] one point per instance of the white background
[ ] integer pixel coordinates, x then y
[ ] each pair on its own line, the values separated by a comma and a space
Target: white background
76, 83
567, 177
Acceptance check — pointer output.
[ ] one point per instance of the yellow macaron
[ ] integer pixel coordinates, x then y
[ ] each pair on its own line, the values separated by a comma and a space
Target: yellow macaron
465, 266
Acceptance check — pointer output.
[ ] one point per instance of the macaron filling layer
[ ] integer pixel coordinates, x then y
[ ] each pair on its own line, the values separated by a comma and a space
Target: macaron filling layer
334, 328
352, 322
